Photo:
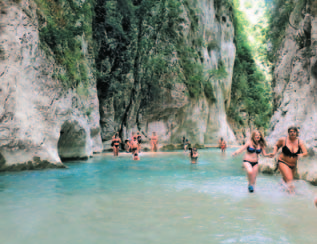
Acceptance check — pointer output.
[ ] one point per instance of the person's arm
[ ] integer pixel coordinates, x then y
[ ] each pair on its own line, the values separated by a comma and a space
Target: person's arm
304, 149
277, 146
264, 153
241, 149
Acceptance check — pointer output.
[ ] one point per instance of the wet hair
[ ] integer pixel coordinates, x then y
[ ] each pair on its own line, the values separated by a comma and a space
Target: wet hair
116, 135
262, 142
221, 138
294, 128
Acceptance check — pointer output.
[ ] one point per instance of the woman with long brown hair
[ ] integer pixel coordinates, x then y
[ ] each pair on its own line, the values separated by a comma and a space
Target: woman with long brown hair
253, 147
292, 149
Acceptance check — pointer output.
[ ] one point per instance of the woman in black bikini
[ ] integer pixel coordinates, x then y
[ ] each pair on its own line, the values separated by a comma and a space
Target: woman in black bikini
253, 147
292, 149
115, 144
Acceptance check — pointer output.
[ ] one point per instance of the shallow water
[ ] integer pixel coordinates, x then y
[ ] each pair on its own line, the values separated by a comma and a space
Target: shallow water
160, 199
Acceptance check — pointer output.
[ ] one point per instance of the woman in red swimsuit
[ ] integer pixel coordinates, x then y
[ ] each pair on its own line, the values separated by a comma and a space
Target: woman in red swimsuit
253, 147
292, 149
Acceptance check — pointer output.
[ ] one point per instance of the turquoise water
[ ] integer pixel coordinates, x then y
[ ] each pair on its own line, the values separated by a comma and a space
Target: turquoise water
160, 199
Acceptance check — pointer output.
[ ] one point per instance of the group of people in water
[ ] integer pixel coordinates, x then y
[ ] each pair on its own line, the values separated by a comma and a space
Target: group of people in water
292, 149
133, 145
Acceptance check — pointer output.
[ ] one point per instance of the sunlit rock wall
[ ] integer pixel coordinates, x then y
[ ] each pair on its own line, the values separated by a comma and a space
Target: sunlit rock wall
294, 84
170, 112
34, 107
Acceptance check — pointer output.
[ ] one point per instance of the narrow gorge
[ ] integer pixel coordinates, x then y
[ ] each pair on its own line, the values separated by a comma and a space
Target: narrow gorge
72, 73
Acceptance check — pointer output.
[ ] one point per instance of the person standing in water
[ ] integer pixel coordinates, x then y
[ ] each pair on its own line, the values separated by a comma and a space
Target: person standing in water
154, 142
134, 148
292, 149
193, 155
222, 144
187, 145
127, 145
253, 147
115, 144
139, 138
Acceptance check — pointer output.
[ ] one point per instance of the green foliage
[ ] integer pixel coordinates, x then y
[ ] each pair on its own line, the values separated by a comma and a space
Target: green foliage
67, 26
225, 3
278, 13
192, 70
218, 74
146, 40
250, 89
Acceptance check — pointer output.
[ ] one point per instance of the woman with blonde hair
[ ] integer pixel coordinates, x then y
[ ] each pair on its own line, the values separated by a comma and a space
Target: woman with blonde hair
253, 147
292, 149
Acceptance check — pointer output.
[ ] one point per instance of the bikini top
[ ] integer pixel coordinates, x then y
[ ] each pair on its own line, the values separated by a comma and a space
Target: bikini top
287, 152
253, 150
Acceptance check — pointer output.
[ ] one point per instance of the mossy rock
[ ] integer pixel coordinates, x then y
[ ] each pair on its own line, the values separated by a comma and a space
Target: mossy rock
168, 147
146, 149
198, 146
179, 147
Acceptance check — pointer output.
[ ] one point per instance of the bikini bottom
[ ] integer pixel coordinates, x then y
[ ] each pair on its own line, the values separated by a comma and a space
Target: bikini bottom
252, 163
279, 161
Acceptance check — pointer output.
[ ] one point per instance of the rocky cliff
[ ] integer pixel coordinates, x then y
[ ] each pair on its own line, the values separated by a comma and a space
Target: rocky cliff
40, 121
294, 83
171, 111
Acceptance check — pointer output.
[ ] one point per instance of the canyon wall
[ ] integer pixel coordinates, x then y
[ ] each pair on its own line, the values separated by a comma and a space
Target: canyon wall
40, 121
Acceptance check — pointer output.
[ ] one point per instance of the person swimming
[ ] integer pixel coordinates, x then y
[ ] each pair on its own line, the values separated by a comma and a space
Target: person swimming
255, 146
292, 149
136, 156
193, 155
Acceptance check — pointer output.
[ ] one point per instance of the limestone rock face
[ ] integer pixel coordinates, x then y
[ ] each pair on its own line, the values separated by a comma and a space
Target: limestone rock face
170, 113
39, 120
294, 83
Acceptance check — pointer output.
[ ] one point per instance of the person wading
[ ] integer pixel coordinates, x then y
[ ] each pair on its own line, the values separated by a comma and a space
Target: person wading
253, 147
292, 149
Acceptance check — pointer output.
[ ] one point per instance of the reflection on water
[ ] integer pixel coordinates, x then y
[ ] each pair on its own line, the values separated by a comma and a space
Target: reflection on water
160, 199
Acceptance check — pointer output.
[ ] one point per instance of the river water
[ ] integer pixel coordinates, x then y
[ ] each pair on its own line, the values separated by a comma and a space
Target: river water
160, 199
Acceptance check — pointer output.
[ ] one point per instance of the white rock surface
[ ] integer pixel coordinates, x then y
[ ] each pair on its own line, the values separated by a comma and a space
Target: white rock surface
33, 106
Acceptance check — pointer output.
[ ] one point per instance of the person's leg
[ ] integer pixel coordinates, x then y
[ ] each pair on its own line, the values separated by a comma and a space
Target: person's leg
249, 171
287, 175
114, 150
255, 171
